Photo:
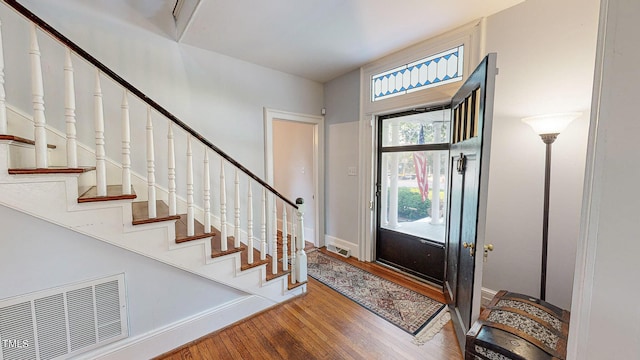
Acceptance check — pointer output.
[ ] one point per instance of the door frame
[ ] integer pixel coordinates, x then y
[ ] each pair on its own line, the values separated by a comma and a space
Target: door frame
472, 36
318, 161
433, 248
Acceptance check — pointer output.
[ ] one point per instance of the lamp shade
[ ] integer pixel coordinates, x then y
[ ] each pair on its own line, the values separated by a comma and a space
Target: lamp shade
552, 123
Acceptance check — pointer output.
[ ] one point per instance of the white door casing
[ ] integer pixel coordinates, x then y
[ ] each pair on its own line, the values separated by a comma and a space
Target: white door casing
318, 161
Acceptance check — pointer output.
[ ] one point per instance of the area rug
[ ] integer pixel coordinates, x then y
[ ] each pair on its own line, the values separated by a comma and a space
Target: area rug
414, 313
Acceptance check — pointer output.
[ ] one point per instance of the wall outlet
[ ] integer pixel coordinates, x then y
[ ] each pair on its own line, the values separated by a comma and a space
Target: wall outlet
352, 171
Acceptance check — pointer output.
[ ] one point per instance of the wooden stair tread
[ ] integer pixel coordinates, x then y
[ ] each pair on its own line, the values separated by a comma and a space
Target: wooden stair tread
216, 250
280, 272
244, 260
114, 192
22, 140
51, 170
140, 211
291, 286
181, 230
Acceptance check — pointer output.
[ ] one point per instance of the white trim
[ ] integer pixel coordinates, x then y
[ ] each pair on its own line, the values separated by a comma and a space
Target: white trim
487, 296
169, 337
318, 160
181, 31
344, 244
366, 213
583, 281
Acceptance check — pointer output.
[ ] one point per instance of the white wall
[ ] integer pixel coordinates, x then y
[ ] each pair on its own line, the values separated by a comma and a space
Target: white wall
218, 96
293, 173
37, 255
342, 101
605, 316
546, 52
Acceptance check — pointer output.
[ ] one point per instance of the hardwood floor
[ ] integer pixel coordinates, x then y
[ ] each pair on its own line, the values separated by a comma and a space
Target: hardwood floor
323, 324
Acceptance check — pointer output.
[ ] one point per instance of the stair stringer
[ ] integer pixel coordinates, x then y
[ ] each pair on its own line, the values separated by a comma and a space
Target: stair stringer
54, 198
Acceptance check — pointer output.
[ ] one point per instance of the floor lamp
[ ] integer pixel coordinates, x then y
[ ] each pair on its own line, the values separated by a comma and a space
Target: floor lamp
548, 127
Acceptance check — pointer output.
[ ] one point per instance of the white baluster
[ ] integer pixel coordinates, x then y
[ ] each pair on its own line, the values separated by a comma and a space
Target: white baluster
285, 250
3, 106
293, 250
70, 111
263, 226
207, 193
37, 89
126, 145
274, 241
101, 167
301, 258
223, 209
190, 217
151, 167
172, 172
236, 232
250, 224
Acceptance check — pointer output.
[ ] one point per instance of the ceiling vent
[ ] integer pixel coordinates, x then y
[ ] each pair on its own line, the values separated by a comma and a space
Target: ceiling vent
63, 322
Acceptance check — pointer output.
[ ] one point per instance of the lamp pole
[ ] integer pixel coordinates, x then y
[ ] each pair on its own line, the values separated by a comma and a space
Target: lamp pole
548, 127
548, 139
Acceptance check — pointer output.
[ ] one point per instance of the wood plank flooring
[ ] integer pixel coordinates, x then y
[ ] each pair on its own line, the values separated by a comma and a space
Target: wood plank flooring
323, 324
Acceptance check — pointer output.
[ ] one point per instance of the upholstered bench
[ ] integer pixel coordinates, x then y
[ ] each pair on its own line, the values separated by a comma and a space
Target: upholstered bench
516, 326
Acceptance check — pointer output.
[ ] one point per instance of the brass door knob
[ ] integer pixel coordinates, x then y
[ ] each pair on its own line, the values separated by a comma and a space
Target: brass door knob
470, 246
487, 248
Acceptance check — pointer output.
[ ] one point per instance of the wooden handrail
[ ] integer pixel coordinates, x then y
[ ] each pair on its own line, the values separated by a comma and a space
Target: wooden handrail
132, 89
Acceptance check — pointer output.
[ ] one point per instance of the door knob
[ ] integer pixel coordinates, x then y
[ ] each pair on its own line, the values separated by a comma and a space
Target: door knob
470, 246
487, 248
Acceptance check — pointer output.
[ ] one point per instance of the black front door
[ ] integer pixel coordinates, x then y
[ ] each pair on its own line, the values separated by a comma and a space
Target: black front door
411, 191
472, 109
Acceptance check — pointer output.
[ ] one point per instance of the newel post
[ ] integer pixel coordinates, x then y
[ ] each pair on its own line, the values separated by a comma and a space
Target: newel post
301, 258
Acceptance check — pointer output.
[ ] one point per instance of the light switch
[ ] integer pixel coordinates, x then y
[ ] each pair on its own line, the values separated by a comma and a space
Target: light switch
353, 171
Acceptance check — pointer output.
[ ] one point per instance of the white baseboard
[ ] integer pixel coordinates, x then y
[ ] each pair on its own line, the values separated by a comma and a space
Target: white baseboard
487, 296
331, 240
167, 338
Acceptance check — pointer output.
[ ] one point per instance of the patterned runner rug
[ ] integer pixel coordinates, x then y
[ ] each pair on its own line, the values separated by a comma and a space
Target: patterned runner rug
414, 313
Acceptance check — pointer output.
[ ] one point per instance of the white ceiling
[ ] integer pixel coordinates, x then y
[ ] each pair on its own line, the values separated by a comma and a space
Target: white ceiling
323, 39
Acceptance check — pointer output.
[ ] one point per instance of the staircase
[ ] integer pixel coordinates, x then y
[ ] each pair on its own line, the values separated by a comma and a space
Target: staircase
74, 185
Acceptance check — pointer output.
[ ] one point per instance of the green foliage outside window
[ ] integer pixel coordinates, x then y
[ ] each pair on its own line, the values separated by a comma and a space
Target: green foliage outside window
410, 204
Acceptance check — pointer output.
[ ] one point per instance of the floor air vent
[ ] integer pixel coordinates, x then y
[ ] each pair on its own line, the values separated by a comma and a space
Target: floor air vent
63, 322
338, 250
